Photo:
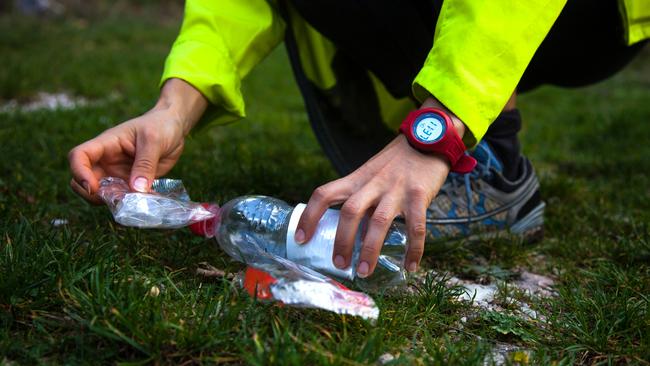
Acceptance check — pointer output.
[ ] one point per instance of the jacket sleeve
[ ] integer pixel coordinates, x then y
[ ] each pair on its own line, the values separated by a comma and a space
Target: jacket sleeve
219, 43
480, 51
636, 18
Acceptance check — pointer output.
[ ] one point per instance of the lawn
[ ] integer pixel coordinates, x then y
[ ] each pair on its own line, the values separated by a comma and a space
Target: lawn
85, 291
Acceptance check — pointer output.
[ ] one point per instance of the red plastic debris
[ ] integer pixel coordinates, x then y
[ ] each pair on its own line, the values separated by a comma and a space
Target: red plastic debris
260, 281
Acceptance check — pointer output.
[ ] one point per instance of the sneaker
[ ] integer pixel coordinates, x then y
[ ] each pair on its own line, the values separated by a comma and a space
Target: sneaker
485, 204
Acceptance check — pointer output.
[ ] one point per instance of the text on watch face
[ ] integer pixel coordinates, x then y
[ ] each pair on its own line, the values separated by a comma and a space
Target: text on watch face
428, 128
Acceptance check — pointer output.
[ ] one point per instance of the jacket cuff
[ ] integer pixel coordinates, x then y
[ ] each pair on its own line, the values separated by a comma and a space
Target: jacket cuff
457, 99
194, 62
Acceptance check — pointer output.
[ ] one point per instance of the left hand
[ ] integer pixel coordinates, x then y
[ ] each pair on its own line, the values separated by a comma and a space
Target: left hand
398, 181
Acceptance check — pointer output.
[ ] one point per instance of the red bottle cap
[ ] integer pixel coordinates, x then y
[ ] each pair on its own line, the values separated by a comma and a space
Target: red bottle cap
207, 228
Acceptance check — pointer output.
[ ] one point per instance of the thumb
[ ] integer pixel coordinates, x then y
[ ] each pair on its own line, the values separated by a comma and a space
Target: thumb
147, 154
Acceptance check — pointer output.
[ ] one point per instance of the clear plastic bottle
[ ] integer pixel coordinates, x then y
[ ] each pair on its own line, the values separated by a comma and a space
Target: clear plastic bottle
270, 224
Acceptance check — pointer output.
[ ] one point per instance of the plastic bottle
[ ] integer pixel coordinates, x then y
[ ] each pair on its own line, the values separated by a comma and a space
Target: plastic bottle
270, 224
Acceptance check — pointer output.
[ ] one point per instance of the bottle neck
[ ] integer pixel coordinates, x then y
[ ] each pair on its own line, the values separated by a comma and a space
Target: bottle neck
208, 228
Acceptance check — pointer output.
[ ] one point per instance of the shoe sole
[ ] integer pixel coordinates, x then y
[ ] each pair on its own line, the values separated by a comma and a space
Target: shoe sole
528, 230
531, 226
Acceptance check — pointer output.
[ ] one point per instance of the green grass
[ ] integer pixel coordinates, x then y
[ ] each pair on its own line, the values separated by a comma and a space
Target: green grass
80, 293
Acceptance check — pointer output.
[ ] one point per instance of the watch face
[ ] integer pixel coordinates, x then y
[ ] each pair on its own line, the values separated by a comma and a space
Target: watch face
429, 128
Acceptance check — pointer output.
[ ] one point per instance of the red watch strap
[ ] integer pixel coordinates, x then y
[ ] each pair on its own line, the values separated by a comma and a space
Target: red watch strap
464, 165
451, 146
455, 152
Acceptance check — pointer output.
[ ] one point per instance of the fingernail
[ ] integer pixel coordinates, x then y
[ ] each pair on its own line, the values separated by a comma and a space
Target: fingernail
86, 187
140, 184
339, 261
363, 268
300, 236
413, 266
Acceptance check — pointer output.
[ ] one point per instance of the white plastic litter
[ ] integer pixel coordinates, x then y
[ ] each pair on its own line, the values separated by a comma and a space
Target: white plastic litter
168, 206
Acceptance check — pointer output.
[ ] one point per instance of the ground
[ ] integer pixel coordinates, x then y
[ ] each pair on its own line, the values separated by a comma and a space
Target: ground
83, 290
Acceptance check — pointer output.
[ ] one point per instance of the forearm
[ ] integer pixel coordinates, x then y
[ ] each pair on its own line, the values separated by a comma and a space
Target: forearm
182, 100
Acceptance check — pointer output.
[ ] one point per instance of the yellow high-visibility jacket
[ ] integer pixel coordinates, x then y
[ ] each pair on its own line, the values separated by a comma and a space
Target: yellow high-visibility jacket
480, 51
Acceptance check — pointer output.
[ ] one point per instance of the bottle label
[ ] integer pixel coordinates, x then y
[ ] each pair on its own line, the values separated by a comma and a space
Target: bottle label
317, 252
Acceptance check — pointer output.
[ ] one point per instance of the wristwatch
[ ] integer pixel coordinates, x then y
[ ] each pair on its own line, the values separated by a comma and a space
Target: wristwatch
431, 131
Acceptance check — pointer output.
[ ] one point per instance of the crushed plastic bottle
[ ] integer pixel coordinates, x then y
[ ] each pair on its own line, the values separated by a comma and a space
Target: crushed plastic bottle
170, 208
246, 225
250, 229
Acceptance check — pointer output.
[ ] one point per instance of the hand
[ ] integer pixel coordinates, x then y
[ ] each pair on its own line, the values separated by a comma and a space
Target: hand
398, 181
141, 149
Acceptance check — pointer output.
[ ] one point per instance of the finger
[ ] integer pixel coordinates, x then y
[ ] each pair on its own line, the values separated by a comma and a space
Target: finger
378, 226
81, 160
81, 191
416, 230
323, 198
147, 154
351, 214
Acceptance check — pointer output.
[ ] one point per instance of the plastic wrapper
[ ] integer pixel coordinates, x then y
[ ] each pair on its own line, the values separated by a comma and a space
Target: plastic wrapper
167, 206
279, 279
269, 277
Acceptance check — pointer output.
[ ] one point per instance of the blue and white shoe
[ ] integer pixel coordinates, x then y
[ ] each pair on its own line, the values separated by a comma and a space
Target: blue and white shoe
484, 203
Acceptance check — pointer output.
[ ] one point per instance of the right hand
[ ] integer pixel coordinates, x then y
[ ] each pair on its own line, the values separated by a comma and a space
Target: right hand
140, 149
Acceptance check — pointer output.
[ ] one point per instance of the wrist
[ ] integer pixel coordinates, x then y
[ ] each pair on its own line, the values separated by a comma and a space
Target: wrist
431, 130
459, 126
183, 102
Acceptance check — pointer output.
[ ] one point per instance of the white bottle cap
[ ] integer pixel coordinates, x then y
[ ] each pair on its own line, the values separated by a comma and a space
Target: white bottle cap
317, 252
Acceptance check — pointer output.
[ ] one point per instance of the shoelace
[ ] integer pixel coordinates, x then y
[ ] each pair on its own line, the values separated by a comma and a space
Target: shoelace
482, 170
